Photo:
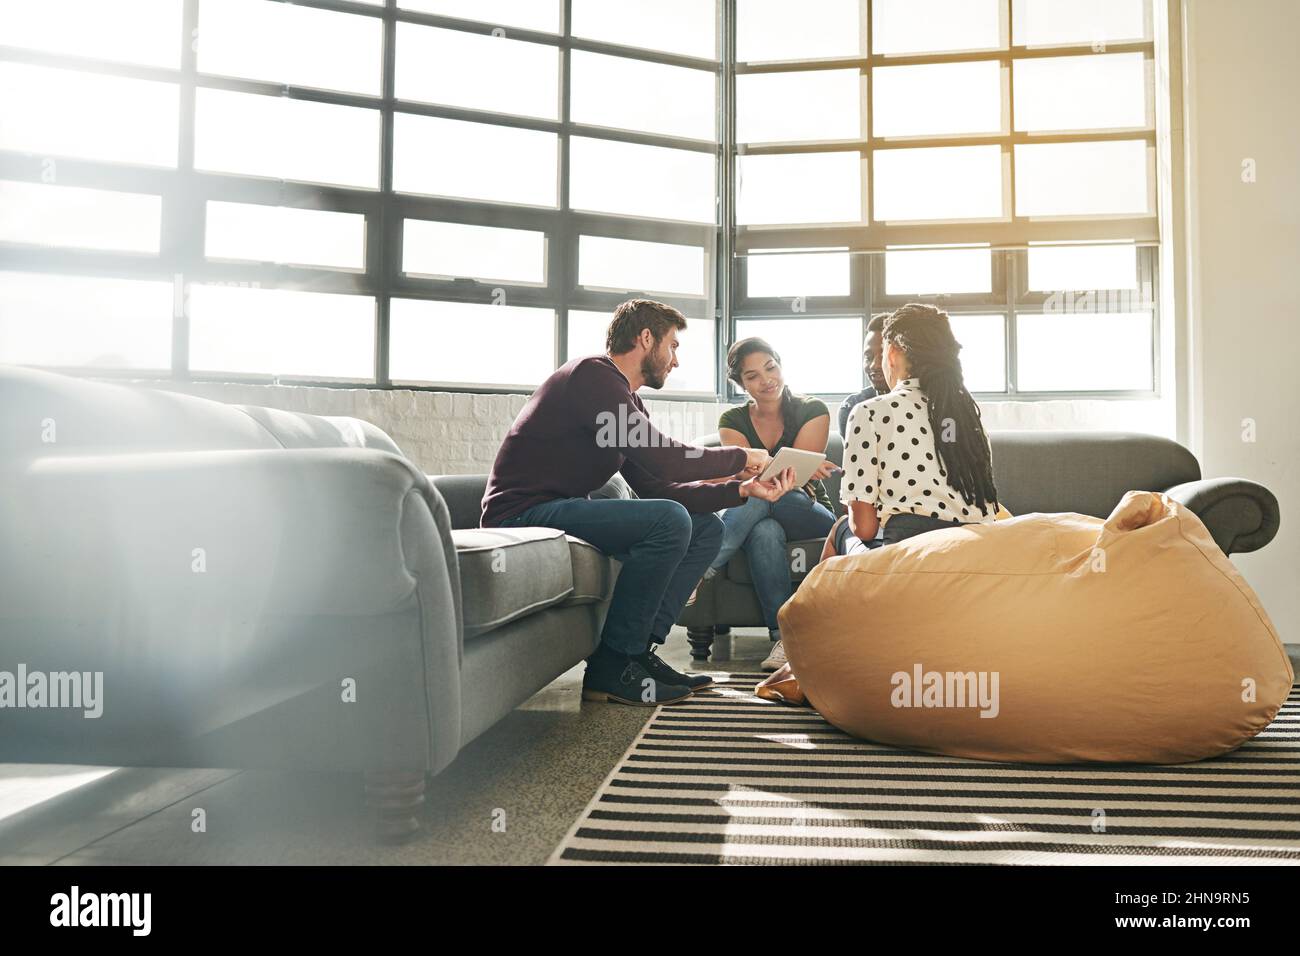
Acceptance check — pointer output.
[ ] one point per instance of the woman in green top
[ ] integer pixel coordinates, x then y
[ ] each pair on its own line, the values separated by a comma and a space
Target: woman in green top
773, 418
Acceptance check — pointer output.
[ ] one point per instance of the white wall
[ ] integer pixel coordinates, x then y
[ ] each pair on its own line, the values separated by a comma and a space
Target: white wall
442, 432
1242, 97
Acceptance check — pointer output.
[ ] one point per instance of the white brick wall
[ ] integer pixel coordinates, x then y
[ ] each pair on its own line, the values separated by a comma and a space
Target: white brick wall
443, 433
456, 433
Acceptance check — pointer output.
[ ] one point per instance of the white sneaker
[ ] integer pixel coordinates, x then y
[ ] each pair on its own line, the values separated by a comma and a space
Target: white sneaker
774, 660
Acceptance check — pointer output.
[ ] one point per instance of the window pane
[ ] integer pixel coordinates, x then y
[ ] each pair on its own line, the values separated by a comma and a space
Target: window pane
817, 355
787, 107
1081, 179
543, 15
246, 330
696, 352
983, 340
281, 138
147, 32
477, 72
953, 182
268, 41
73, 321
625, 265
304, 237
938, 99
1080, 268
631, 94
80, 218
800, 187
938, 271
1045, 22
451, 250
467, 343
780, 275
1084, 352
677, 26
443, 157
1081, 92
649, 181
777, 30
88, 116
933, 26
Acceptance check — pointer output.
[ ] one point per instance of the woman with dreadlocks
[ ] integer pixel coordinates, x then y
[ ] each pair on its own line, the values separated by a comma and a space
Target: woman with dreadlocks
916, 457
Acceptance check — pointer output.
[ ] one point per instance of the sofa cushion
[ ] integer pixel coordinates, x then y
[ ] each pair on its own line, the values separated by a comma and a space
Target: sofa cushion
594, 573
509, 573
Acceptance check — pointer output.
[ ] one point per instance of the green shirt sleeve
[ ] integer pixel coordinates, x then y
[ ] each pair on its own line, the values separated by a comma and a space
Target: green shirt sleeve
812, 408
731, 418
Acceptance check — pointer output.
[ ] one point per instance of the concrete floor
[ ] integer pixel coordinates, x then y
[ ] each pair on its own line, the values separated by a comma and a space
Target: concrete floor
539, 767
536, 770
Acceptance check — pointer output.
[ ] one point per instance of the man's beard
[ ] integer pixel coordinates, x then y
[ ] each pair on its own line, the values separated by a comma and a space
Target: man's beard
654, 371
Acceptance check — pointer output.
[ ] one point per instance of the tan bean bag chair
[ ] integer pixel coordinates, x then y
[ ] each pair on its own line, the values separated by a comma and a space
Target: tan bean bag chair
1131, 640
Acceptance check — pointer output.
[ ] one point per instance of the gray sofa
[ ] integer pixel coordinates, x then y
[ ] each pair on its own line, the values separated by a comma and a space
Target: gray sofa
261, 588
1035, 471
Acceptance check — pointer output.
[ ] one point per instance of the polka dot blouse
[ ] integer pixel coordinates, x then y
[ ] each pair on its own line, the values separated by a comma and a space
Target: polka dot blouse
890, 459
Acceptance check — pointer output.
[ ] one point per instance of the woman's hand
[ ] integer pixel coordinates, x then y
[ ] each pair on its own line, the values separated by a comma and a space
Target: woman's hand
825, 470
770, 490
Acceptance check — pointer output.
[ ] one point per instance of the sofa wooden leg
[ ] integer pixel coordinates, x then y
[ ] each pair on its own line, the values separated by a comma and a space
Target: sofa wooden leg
701, 639
722, 644
395, 798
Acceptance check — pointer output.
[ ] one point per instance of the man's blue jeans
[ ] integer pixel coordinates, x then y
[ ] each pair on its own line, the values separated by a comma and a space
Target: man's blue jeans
664, 550
762, 528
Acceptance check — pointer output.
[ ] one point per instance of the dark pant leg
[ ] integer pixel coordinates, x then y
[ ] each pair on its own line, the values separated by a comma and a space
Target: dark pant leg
706, 540
652, 538
901, 527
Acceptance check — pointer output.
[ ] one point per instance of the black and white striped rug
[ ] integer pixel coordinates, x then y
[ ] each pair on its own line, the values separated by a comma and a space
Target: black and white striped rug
728, 778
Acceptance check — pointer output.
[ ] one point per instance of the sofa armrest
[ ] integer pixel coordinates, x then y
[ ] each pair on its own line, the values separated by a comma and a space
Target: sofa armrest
1241, 515
227, 597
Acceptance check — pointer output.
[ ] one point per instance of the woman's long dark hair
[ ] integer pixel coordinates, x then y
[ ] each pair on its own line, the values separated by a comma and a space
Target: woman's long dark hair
925, 337
742, 350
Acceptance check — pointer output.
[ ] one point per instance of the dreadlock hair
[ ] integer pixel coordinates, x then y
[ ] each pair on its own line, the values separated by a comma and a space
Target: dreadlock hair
742, 350
925, 337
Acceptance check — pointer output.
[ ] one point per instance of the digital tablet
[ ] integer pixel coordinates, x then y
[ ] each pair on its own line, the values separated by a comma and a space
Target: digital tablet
803, 462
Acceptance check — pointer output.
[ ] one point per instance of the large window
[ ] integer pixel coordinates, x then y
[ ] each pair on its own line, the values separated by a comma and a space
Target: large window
455, 193
221, 188
994, 157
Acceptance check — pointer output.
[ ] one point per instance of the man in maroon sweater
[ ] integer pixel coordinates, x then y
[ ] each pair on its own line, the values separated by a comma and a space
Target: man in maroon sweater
583, 424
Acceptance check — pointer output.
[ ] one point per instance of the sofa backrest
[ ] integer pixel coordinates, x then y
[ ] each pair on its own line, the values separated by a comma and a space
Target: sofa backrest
44, 413
1054, 471
1084, 472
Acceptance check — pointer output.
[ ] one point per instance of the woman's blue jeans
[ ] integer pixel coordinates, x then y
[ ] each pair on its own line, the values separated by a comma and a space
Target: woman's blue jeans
762, 529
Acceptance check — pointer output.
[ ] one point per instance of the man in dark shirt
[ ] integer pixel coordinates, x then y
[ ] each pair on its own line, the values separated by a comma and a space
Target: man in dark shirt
583, 424
871, 363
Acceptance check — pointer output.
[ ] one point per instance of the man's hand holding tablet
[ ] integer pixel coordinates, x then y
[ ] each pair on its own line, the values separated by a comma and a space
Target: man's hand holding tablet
770, 490
756, 459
